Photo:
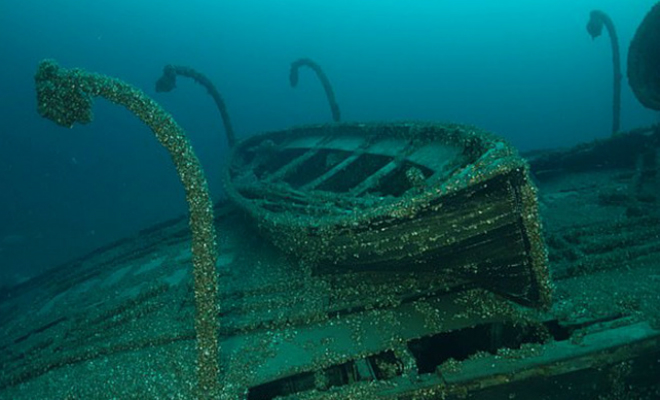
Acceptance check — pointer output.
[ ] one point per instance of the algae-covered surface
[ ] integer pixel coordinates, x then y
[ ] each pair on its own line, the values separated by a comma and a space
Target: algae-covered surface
119, 323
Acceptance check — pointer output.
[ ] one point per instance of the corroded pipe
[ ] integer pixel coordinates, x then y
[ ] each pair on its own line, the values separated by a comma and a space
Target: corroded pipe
167, 83
597, 19
293, 78
65, 96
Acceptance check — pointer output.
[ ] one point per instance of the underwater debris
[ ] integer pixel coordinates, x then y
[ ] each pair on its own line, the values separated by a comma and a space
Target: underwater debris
597, 19
65, 97
643, 60
374, 199
167, 83
293, 79
295, 335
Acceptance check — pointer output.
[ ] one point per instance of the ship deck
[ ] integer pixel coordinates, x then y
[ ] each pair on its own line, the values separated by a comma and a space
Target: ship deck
118, 323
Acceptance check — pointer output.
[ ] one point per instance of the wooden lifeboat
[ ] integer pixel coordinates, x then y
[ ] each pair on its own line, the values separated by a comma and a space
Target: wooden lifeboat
380, 198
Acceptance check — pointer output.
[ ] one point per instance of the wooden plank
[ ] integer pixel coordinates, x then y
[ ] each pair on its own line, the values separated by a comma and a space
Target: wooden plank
375, 178
332, 172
